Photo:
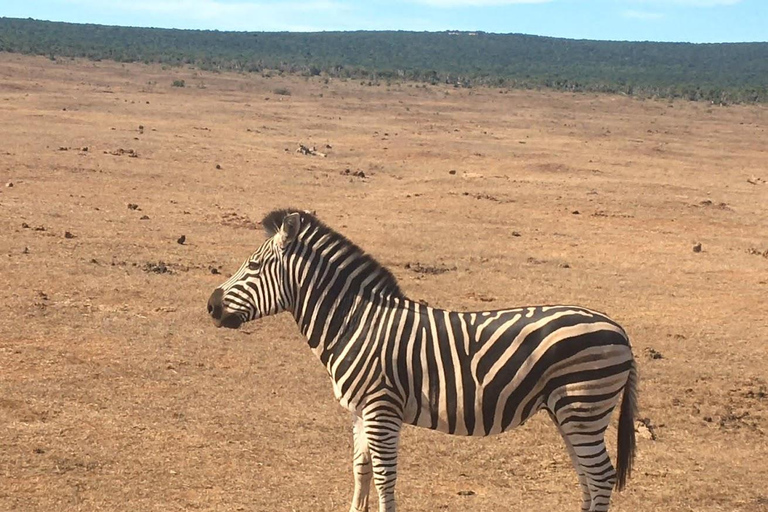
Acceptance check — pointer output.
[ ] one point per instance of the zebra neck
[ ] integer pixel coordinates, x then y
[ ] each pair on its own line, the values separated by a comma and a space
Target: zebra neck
333, 324
336, 290
351, 340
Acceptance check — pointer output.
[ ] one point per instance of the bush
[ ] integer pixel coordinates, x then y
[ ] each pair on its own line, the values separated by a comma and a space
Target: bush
282, 91
178, 83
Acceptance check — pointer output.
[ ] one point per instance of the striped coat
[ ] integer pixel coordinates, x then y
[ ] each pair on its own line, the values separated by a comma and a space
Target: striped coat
392, 360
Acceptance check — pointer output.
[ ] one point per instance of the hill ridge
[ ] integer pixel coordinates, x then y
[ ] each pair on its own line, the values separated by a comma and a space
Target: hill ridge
717, 72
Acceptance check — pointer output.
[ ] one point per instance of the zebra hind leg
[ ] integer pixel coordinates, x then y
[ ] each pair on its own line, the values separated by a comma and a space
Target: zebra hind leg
382, 432
586, 497
582, 425
361, 466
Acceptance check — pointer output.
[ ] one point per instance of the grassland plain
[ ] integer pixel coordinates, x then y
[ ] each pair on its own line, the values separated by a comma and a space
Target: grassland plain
117, 393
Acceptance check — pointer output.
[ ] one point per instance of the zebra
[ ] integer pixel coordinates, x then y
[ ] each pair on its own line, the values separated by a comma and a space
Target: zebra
394, 361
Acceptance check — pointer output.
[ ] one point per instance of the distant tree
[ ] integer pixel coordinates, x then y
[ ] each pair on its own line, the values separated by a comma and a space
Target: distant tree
720, 73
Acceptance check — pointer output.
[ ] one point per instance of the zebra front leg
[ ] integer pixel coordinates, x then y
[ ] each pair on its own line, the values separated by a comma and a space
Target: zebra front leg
382, 432
361, 466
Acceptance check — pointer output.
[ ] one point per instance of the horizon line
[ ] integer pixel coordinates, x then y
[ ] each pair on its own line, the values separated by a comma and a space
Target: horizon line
449, 31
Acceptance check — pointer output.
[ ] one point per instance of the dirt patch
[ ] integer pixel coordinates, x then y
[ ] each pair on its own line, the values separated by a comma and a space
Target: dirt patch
237, 220
432, 270
116, 376
120, 152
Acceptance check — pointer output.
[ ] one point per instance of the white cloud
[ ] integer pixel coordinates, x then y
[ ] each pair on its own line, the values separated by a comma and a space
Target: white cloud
225, 15
642, 15
477, 3
691, 3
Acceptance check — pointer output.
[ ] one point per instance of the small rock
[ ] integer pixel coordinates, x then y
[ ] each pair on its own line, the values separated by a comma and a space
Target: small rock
94, 261
575, 212
157, 268
25, 225
25, 251
466, 493
215, 271
697, 247
645, 429
144, 217
218, 166
133, 206
67, 234
565, 265
758, 252
516, 233
84, 149
653, 354
39, 451
452, 172
9, 184
181, 240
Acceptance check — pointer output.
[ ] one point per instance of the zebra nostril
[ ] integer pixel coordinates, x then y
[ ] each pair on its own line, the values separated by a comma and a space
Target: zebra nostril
215, 307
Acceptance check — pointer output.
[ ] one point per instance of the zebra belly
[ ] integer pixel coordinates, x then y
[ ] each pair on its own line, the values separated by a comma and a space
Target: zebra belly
451, 407
465, 418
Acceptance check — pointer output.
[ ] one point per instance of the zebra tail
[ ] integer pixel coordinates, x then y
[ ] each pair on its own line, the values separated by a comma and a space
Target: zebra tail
626, 438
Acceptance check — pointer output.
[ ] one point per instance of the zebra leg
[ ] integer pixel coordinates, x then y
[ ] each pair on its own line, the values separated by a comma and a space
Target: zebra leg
382, 433
601, 476
586, 497
586, 434
361, 466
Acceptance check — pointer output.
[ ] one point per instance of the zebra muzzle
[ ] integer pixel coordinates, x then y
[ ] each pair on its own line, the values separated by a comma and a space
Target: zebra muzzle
221, 318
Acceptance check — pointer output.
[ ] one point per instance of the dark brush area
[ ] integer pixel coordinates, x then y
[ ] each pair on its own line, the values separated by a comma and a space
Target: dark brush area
720, 73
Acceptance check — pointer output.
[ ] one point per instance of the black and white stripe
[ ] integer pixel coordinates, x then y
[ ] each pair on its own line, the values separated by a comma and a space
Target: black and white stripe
393, 360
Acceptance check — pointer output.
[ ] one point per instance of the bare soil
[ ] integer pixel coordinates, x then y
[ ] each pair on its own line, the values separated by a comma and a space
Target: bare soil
117, 393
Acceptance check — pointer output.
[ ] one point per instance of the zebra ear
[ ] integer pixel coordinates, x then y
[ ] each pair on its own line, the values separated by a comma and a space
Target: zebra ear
290, 228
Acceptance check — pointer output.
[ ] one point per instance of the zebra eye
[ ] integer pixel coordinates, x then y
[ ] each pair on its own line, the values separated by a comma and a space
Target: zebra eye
254, 265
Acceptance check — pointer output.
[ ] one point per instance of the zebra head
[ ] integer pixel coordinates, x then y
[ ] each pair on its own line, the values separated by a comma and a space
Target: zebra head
260, 286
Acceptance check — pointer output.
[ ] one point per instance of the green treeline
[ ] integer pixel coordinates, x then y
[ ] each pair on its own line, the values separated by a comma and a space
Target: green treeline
721, 73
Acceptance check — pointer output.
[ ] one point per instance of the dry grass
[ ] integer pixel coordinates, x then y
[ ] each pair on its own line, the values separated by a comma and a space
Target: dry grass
116, 392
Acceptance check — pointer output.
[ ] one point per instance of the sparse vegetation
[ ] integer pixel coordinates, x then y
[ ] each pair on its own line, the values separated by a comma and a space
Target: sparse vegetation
282, 91
178, 83
719, 73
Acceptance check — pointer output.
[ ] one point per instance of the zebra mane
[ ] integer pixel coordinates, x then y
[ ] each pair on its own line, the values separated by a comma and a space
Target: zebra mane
273, 221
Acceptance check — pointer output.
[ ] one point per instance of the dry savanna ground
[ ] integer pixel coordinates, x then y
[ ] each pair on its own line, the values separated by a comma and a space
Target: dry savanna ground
117, 393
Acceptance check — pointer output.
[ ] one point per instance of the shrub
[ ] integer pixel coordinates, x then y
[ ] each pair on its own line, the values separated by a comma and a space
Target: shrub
282, 91
178, 83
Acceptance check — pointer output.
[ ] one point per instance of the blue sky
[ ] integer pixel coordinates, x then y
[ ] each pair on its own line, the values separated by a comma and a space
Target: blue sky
653, 20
